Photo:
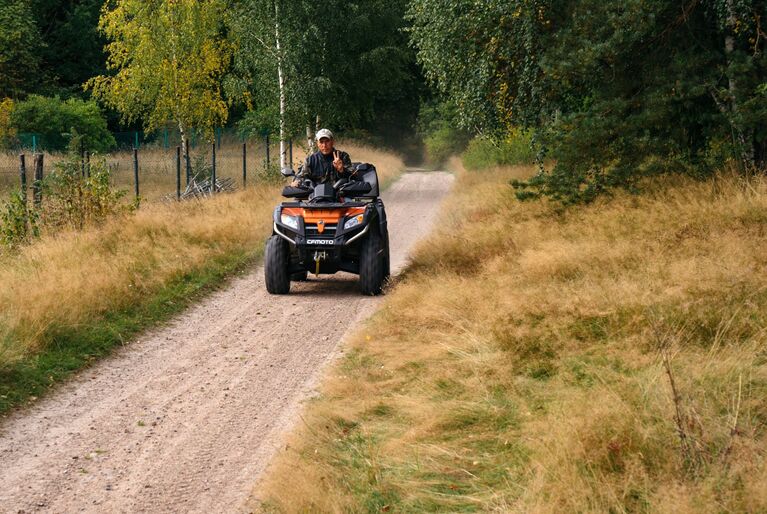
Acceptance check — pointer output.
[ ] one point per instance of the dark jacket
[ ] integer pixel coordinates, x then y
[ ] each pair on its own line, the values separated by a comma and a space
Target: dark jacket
320, 168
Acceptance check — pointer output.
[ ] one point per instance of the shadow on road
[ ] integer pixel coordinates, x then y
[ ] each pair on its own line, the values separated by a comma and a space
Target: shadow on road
335, 286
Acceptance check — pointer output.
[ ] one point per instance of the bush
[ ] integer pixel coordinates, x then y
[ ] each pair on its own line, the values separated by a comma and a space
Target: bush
437, 125
7, 130
17, 223
56, 119
73, 200
484, 152
443, 143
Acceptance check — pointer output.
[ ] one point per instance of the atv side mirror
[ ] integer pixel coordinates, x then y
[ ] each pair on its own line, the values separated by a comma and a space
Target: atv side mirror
287, 172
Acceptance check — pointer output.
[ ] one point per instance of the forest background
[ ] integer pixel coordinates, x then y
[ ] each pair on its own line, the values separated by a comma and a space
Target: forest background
606, 93
624, 370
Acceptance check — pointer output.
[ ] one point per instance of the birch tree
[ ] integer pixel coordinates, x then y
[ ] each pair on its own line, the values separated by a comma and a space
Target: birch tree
261, 31
169, 57
335, 63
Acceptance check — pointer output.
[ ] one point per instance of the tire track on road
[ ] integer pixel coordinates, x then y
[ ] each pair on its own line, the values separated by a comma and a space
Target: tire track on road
186, 418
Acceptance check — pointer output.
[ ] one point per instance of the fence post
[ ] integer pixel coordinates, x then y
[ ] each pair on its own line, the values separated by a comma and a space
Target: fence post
34, 144
188, 162
135, 169
135, 138
218, 138
23, 175
213, 175
87, 164
37, 185
267, 150
244, 165
178, 173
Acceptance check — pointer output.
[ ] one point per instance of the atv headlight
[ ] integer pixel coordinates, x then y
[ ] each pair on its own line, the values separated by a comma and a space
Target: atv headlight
290, 221
353, 222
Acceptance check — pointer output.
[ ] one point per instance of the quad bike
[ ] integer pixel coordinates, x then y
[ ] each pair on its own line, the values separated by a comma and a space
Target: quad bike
329, 228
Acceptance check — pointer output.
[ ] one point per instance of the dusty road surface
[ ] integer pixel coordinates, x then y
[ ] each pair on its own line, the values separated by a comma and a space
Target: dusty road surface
185, 418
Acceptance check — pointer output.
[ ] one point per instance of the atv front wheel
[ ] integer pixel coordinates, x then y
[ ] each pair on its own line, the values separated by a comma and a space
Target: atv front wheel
372, 263
276, 266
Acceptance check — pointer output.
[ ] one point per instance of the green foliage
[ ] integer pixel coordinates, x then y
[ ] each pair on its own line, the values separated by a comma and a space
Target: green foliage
57, 120
74, 200
347, 63
7, 130
73, 49
201, 167
17, 223
75, 194
616, 90
483, 57
439, 128
485, 152
443, 143
169, 57
19, 48
256, 123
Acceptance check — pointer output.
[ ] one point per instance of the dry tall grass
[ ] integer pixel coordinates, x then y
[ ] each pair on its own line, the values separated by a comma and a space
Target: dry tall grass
72, 278
525, 363
69, 279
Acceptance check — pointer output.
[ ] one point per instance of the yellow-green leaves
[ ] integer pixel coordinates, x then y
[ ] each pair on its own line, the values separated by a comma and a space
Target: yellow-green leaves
169, 57
7, 130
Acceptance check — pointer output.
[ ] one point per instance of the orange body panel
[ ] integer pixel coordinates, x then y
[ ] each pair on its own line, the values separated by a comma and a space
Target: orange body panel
322, 217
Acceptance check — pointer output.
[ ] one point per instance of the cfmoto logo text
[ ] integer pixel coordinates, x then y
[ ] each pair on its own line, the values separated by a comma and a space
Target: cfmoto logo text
319, 241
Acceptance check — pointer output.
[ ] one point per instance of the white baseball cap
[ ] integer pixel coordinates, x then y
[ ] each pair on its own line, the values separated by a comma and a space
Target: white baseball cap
323, 133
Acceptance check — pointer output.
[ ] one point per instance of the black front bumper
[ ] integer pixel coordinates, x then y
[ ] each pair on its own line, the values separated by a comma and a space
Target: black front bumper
336, 252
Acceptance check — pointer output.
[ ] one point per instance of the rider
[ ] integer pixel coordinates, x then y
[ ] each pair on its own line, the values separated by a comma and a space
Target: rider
327, 163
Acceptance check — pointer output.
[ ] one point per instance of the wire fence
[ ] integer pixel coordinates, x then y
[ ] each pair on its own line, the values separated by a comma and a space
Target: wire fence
237, 162
29, 142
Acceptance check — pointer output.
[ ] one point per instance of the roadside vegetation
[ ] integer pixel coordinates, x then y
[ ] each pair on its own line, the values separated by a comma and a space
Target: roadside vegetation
71, 295
603, 358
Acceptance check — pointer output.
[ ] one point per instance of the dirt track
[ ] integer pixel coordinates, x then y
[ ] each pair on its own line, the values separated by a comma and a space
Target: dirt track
186, 418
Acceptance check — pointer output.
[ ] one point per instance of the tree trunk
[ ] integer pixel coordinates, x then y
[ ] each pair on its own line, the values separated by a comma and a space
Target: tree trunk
281, 78
309, 139
184, 148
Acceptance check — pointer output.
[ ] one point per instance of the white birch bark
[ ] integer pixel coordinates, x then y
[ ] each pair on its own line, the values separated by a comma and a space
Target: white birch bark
281, 78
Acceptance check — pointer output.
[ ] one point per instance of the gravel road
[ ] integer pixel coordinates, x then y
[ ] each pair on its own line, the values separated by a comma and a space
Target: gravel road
185, 418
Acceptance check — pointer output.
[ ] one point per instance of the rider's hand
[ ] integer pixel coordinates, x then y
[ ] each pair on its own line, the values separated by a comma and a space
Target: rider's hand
338, 164
295, 182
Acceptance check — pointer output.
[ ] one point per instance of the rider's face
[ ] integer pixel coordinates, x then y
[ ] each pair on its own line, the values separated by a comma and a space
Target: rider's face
326, 145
